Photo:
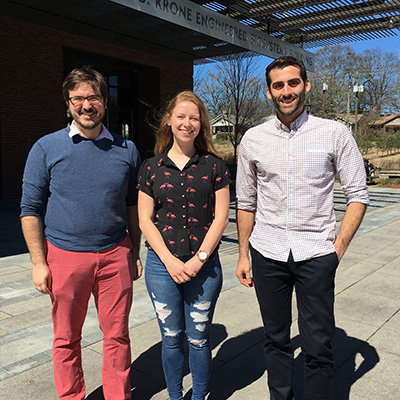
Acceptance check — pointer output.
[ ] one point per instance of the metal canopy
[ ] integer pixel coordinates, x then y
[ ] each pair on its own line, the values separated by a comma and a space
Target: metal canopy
315, 23
307, 24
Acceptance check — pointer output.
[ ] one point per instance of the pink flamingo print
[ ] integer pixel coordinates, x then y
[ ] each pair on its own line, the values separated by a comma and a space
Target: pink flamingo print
171, 217
189, 178
193, 238
193, 221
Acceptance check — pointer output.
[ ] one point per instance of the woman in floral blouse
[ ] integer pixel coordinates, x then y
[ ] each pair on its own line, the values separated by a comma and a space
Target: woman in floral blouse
183, 210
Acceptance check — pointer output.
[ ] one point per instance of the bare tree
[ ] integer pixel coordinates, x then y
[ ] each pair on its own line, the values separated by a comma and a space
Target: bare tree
340, 68
234, 88
381, 73
211, 93
336, 66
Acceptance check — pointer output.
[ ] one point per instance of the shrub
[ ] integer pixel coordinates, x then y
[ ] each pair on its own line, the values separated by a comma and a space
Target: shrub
388, 182
221, 137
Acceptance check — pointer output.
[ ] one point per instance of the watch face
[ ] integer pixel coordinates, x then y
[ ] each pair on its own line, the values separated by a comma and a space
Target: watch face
202, 255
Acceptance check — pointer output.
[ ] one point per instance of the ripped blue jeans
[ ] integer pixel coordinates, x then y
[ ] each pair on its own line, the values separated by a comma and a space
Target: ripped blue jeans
181, 308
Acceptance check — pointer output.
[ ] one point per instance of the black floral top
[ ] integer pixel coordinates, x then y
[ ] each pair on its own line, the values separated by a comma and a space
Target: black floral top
184, 200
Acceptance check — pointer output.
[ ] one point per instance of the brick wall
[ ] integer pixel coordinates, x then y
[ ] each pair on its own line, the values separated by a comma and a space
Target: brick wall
31, 74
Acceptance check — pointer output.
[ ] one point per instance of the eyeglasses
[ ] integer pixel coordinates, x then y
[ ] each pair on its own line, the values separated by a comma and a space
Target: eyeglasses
79, 100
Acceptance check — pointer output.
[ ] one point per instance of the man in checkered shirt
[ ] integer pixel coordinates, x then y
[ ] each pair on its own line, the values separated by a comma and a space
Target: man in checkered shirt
286, 221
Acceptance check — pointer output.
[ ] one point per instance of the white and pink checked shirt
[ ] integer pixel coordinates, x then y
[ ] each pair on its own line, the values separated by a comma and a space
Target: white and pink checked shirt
286, 177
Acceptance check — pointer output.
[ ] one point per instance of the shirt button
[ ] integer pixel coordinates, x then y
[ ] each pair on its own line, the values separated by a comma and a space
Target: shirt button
181, 183
183, 206
183, 216
184, 226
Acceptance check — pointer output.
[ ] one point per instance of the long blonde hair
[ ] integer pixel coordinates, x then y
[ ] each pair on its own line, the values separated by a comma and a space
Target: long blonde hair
164, 136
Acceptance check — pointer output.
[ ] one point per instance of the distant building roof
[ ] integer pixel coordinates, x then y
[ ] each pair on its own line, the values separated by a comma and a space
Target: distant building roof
222, 120
351, 119
386, 119
393, 123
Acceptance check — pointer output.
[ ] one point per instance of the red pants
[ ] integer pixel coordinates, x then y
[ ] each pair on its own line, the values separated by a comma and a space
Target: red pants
108, 275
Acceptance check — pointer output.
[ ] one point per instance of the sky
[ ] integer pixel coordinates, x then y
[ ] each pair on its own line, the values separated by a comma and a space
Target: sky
386, 44
391, 44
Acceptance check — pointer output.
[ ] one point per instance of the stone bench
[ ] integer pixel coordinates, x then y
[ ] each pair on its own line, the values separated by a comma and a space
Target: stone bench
389, 174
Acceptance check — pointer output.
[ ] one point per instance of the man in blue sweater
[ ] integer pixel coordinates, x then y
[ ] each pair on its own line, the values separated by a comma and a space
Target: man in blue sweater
79, 219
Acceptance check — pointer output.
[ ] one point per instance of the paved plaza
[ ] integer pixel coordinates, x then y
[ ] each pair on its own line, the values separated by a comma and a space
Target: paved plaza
366, 346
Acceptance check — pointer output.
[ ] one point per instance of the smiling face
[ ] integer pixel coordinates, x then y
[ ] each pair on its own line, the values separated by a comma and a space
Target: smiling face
185, 122
287, 91
87, 116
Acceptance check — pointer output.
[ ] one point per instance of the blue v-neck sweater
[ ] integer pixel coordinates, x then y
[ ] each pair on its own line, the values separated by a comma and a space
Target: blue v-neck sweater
81, 188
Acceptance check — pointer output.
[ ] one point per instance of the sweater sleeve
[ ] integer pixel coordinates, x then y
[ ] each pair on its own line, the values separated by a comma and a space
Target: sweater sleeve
35, 184
133, 176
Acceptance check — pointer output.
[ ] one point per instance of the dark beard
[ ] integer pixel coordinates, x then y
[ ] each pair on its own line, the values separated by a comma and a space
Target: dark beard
88, 126
300, 102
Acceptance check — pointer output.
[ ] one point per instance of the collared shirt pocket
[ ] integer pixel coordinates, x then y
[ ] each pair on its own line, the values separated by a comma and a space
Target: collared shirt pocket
316, 163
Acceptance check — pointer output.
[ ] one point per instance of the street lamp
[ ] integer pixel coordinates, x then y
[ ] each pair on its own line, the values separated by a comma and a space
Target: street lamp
324, 89
357, 89
348, 108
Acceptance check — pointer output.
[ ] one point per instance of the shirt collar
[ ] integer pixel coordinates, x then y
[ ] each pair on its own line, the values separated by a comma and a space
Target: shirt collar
295, 125
198, 157
104, 134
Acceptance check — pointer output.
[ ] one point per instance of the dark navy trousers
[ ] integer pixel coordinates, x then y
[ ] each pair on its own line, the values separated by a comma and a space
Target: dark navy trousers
314, 284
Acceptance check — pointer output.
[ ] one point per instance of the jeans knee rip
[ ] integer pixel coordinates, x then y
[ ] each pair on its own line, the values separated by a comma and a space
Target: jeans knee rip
198, 342
200, 327
199, 318
161, 311
168, 332
202, 305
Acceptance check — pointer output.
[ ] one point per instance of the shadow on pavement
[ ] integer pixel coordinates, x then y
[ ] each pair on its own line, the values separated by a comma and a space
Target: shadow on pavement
347, 370
244, 359
147, 377
11, 239
240, 362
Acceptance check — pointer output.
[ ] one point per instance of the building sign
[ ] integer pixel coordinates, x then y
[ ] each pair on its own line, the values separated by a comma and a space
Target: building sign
197, 18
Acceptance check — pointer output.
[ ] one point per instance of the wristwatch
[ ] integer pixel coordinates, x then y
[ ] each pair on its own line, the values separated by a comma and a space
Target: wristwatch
203, 256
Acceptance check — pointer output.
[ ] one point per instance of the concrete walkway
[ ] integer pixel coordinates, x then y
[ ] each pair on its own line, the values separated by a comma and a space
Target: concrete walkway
366, 346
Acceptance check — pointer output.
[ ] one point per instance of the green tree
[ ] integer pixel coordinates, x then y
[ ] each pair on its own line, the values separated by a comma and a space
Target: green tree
365, 143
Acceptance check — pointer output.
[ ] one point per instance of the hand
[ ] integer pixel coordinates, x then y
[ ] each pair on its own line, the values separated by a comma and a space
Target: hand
176, 268
193, 266
137, 268
339, 250
41, 277
243, 272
